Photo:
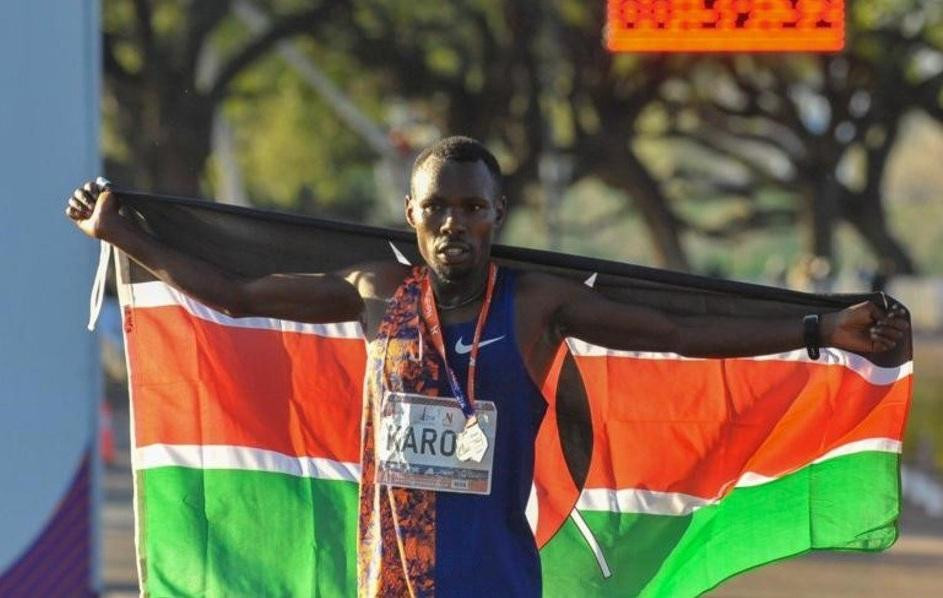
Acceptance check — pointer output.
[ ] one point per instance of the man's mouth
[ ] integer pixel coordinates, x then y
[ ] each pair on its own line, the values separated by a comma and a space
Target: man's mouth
453, 252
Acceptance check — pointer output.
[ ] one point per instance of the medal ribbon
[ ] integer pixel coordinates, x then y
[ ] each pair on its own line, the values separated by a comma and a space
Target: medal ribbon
431, 315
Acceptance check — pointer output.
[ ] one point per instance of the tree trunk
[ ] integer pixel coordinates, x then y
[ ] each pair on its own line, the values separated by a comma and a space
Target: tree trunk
820, 216
662, 224
609, 157
176, 144
865, 210
866, 214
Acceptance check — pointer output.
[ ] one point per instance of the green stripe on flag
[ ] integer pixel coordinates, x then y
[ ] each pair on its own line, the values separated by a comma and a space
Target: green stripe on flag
849, 502
247, 533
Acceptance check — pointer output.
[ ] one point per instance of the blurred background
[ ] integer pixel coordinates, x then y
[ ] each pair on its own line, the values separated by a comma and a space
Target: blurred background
815, 172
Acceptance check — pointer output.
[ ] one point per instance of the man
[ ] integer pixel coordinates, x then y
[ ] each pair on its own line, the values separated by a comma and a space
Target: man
480, 336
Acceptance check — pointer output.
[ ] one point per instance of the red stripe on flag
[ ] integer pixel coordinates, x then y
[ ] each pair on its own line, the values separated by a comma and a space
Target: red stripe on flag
198, 382
695, 426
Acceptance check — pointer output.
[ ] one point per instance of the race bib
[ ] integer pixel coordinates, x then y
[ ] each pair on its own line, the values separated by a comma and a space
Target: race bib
418, 444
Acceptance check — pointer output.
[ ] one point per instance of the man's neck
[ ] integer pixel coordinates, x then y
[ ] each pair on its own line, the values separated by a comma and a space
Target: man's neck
455, 293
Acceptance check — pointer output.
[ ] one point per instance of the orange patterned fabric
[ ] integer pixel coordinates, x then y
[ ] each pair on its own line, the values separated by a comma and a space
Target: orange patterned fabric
396, 551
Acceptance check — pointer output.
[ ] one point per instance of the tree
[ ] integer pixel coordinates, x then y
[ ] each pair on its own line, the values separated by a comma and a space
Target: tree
162, 87
819, 127
533, 81
472, 66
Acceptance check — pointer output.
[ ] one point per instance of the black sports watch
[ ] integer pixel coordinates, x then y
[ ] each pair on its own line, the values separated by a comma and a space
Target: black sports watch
812, 335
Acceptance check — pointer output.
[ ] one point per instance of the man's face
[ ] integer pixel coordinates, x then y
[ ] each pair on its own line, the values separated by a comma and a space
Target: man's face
455, 208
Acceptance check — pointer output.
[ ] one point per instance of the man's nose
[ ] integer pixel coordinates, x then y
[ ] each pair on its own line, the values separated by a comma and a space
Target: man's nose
453, 222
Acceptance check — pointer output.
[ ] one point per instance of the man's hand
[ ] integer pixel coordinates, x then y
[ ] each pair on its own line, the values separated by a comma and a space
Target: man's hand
94, 209
864, 328
315, 298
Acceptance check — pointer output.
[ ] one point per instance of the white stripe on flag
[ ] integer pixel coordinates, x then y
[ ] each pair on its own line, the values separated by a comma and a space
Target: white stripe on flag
633, 500
592, 542
158, 294
214, 456
883, 445
651, 502
874, 374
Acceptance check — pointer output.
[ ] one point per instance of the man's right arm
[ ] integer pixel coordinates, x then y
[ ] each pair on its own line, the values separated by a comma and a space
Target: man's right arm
315, 298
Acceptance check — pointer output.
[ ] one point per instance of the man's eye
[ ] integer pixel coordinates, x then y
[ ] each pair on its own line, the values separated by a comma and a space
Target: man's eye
431, 208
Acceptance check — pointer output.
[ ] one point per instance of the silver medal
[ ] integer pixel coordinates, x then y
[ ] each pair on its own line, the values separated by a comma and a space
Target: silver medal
472, 444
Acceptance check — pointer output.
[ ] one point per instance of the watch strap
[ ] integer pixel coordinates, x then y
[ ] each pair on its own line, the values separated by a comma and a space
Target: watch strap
812, 335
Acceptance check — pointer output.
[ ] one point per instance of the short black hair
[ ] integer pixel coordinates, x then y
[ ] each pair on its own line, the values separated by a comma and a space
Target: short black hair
459, 148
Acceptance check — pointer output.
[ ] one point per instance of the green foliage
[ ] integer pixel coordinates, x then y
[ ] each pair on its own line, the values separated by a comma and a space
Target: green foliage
168, 20
598, 223
914, 188
529, 78
294, 152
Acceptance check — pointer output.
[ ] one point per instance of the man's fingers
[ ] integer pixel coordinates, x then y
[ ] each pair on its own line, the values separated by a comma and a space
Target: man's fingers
887, 332
874, 311
87, 198
898, 324
79, 207
90, 197
72, 213
83, 198
895, 323
883, 340
898, 312
889, 328
891, 336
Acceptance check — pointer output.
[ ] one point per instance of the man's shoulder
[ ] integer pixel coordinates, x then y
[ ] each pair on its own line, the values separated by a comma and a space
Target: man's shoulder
378, 279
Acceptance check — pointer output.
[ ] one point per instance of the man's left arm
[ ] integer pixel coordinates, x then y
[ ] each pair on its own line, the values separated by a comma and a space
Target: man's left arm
577, 311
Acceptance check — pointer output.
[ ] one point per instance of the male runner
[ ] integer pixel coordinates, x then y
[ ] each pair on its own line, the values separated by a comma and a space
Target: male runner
499, 332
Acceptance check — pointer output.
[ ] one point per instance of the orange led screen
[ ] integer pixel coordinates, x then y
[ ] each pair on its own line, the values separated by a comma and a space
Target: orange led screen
725, 25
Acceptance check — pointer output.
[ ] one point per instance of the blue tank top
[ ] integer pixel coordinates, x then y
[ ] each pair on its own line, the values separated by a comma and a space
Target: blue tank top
484, 545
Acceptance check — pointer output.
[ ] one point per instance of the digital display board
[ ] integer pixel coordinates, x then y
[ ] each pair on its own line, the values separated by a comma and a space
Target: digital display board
725, 25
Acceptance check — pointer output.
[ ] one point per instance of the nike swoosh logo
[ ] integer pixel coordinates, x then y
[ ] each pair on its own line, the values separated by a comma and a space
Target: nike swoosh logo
462, 348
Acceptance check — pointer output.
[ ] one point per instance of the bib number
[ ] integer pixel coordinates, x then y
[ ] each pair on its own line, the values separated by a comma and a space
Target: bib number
423, 443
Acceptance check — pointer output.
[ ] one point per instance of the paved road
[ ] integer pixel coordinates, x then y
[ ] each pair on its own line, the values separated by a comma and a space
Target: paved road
913, 567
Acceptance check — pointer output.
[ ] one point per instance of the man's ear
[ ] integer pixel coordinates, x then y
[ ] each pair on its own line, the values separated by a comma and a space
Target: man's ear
500, 210
408, 207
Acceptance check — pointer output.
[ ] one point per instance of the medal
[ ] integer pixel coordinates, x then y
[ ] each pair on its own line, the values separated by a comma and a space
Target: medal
472, 443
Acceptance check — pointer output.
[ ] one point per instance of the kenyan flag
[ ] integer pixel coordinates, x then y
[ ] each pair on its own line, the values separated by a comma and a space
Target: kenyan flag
702, 469
655, 475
